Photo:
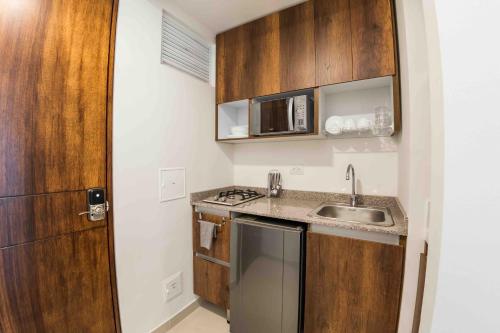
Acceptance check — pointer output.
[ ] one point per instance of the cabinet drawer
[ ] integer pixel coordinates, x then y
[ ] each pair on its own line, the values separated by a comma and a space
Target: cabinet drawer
220, 245
211, 282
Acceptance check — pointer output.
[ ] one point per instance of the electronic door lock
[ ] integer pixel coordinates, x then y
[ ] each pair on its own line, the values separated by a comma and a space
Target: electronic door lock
97, 206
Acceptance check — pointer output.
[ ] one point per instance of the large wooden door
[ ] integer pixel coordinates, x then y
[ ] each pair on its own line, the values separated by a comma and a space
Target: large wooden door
56, 269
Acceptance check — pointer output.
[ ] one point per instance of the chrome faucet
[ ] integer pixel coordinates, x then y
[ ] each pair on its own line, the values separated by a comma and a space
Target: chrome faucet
354, 196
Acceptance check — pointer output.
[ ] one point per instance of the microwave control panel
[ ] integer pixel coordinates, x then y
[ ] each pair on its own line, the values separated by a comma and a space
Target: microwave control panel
300, 103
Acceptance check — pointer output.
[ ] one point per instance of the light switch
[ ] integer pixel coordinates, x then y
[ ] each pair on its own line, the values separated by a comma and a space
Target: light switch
172, 184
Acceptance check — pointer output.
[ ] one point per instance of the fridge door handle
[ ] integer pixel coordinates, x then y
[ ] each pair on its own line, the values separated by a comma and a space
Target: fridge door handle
268, 225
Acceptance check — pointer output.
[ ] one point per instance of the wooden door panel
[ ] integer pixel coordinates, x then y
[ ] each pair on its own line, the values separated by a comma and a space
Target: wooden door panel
232, 65
70, 123
263, 47
333, 41
373, 50
220, 245
29, 218
248, 60
53, 94
19, 72
352, 285
297, 55
57, 285
211, 282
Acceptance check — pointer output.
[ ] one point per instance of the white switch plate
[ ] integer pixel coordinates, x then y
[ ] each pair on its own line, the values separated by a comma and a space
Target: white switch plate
172, 287
297, 171
172, 184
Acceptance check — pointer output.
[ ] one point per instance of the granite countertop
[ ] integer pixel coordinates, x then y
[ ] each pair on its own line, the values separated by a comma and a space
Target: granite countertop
297, 205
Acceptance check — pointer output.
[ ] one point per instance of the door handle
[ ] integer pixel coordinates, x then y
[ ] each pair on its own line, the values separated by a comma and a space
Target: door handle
89, 212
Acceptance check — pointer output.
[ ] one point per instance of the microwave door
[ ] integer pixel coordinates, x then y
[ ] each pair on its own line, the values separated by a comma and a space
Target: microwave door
290, 114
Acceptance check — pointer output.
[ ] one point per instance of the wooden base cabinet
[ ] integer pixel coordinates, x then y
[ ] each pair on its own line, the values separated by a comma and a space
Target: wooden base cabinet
211, 282
211, 267
352, 285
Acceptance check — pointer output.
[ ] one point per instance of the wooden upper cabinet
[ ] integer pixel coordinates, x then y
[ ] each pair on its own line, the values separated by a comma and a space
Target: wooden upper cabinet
373, 51
248, 60
297, 55
319, 42
333, 41
231, 62
263, 51
352, 285
270, 55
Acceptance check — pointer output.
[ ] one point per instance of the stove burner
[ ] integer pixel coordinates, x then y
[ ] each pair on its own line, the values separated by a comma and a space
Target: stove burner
234, 197
233, 194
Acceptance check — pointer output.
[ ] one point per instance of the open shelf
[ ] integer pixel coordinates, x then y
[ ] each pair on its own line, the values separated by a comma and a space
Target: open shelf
352, 109
232, 120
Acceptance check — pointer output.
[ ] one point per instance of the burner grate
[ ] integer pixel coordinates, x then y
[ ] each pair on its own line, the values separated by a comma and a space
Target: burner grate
235, 196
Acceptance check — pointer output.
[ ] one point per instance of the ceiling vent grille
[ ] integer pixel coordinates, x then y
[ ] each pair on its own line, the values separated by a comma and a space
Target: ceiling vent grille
184, 49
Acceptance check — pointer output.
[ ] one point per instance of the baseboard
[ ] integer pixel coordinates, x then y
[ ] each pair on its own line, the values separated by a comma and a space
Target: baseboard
175, 319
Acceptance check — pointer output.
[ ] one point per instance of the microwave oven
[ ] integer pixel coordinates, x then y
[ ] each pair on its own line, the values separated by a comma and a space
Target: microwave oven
283, 114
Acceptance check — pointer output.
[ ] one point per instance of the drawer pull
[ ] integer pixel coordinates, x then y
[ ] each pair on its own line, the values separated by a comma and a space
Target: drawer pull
212, 260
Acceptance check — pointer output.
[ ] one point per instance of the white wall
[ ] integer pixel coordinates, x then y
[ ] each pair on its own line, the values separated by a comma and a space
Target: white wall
324, 163
162, 118
464, 274
415, 145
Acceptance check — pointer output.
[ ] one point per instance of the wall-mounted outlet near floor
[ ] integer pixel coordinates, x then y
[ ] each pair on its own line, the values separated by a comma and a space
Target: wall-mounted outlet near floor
297, 170
172, 287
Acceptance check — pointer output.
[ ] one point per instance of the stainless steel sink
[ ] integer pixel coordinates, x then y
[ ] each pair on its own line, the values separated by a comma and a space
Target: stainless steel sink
360, 214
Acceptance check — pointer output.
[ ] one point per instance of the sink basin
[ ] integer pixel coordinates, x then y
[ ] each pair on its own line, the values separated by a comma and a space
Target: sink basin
360, 214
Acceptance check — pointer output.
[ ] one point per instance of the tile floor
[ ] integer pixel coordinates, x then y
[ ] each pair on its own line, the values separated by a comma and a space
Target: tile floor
205, 319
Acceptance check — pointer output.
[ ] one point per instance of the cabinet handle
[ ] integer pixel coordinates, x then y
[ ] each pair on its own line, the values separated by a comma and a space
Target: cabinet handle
212, 260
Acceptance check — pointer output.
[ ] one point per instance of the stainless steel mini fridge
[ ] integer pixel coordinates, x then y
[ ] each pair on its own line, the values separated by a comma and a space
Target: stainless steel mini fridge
267, 275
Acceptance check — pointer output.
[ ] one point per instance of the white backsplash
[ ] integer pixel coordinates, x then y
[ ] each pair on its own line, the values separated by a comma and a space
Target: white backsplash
324, 163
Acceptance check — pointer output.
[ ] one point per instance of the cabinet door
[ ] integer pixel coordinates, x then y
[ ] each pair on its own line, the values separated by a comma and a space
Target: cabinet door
297, 55
372, 39
220, 245
232, 64
263, 47
352, 285
333, 41
211, 282
248, 60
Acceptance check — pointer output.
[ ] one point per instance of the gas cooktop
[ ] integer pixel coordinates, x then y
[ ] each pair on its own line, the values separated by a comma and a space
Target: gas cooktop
234, 197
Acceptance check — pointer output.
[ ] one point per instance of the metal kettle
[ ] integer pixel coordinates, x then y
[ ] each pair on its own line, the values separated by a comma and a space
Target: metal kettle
273, 184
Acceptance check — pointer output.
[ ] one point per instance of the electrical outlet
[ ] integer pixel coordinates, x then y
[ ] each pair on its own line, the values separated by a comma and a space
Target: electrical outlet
297, 171
172, 287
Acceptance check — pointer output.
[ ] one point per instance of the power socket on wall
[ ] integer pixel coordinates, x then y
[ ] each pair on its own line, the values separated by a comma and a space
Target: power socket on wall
297, 170
172, 287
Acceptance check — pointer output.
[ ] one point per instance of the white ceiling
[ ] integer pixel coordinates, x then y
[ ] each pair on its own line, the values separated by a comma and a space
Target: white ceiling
221, 15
